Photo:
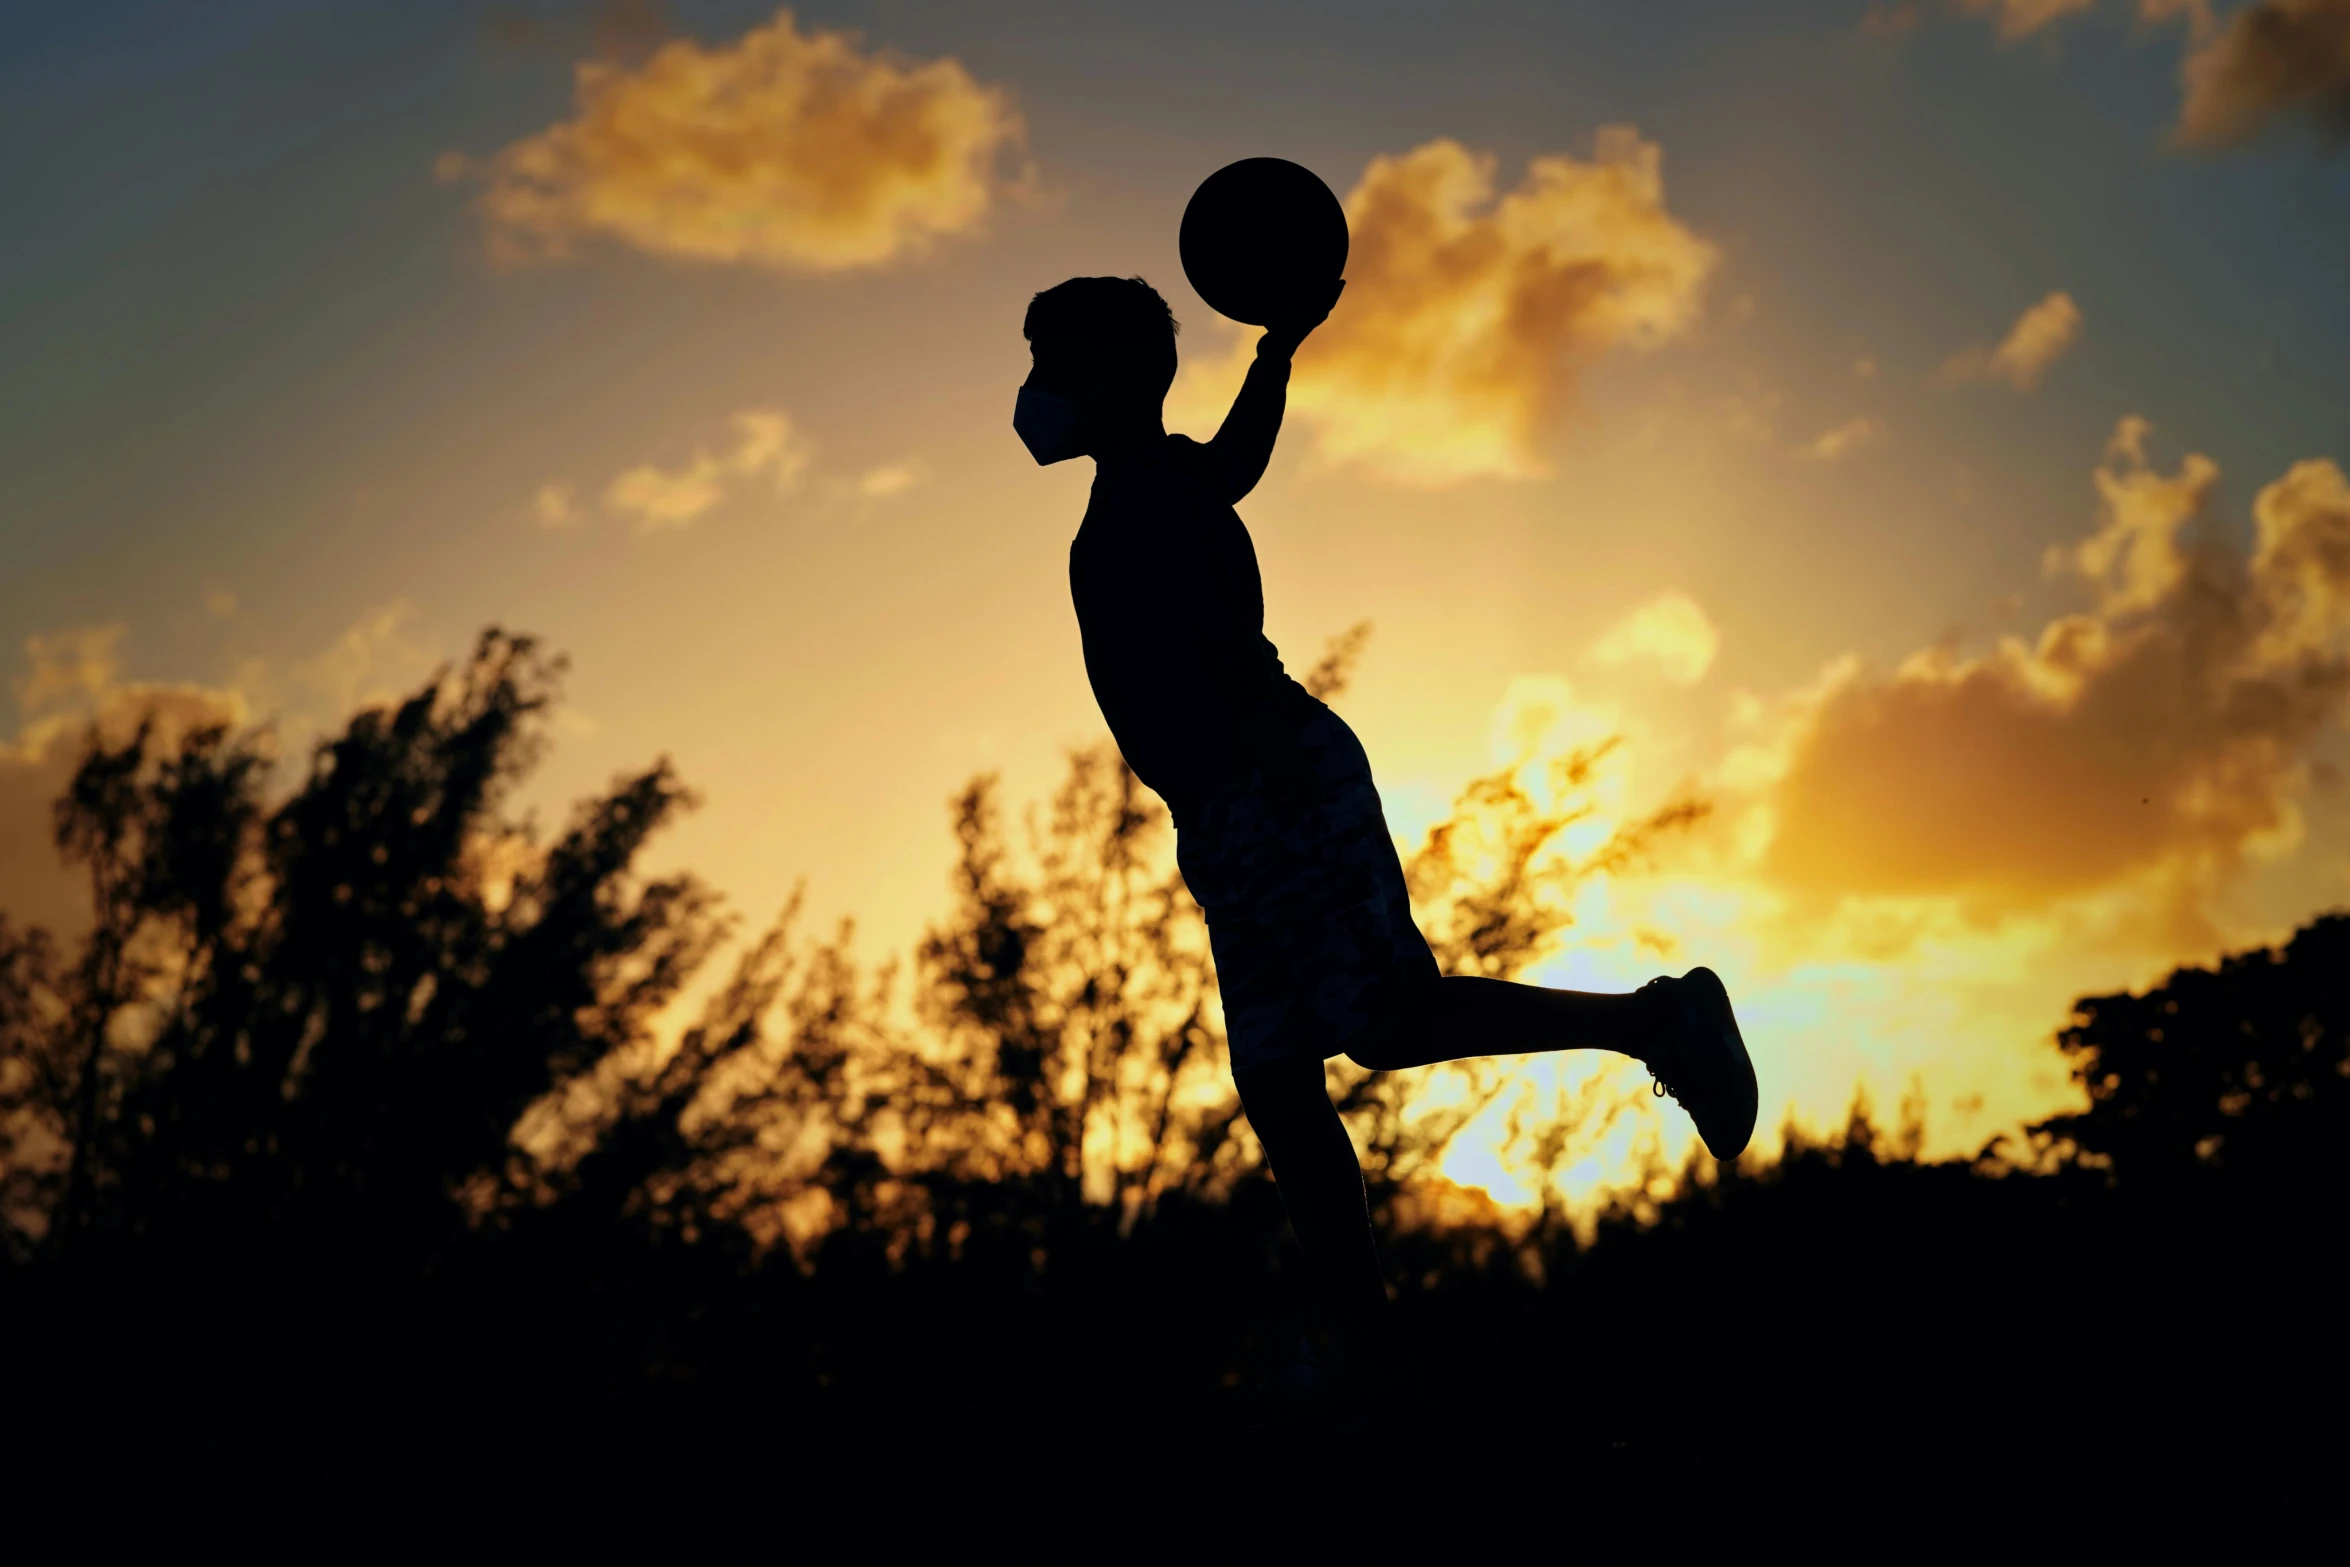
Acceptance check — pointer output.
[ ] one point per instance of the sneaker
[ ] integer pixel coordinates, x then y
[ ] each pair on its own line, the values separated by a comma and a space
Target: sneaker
1700, 1060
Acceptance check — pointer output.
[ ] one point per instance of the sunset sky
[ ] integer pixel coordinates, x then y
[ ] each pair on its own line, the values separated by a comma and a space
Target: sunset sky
1917, 428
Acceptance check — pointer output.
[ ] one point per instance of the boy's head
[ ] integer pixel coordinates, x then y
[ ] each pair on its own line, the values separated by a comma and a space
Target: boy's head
1105, 343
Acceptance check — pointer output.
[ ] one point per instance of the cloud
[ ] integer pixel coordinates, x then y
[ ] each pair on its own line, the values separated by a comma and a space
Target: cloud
2017, 19
791, 150
1838, 443
858, 496
663, 499
2041, 336
2272, 58
2263, 61
73, 683
1670, 631
80, 663
1892, 21
628, 29
2134, 556
377, 660
1466, 318
880, 483
2197, 13
885, 481
765, 445
551, 506
2162, 735
2301, 561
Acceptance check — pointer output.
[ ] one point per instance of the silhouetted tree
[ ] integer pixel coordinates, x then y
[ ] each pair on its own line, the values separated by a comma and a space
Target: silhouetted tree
2241, 1071
1492, 891
379, 1011
320, 1020
367, 1025
37, 1083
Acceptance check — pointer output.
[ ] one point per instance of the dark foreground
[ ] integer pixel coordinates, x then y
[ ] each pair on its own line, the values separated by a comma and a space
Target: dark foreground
1845, 1343
282, 1265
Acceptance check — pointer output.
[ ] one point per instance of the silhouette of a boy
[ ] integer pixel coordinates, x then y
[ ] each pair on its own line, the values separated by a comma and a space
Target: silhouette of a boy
1279, 832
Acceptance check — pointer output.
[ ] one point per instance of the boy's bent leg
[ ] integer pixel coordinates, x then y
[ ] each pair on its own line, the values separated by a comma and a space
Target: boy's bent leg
1461, 1015
1683, 1029
1321, 1185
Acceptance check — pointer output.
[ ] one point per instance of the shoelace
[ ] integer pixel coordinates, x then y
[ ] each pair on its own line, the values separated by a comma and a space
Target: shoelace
1658, 1084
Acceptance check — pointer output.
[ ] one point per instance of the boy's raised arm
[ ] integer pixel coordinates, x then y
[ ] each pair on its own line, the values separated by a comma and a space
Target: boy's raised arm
1244, 443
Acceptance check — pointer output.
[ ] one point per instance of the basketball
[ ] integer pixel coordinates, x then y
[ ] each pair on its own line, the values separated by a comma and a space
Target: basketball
1260, 233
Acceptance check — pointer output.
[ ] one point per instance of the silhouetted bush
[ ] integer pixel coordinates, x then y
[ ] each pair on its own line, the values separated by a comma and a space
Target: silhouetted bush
343, 1155
2237, 1076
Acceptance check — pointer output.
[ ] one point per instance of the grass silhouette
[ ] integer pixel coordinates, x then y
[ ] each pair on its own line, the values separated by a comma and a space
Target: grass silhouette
343, 1176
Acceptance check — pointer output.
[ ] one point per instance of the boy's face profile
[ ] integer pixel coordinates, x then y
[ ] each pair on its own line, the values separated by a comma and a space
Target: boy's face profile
1070, 399
1049, 416
1103, 357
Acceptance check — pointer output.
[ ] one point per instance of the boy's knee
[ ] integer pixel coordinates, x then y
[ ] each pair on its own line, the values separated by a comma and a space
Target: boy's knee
1277, 1078
1395, 1037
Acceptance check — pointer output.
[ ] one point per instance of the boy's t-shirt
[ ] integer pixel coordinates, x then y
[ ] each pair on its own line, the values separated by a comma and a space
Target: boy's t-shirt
1171, 608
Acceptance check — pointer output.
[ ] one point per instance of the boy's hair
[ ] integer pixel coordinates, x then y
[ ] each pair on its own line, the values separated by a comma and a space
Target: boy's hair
1115, 332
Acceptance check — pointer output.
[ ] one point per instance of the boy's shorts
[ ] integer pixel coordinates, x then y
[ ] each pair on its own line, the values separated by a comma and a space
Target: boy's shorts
1307, 911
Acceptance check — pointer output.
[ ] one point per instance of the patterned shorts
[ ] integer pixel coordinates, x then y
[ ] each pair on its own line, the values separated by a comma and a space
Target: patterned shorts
1307, 912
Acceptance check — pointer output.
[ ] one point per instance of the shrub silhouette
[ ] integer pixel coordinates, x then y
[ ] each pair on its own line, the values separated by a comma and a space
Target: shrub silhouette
350, 1114
2240, 1072
320, 1021
1067, 1053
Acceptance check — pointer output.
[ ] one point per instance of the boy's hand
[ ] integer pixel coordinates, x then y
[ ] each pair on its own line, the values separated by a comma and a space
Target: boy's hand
1283, 335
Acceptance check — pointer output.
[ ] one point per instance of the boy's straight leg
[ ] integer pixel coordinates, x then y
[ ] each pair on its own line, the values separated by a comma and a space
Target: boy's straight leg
1321, 1184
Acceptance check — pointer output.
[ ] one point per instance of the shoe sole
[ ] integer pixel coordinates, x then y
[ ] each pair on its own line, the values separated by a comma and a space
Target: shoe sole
1717, 996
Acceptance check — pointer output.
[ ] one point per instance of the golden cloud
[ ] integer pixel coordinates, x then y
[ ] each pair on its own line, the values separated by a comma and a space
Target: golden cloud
2271, 58
2016, 19
1892, 21
551, 507
887, 480
1466, 318
71, 686
784, 149
2041, 336
78, 663
1670, 631
2197, 13
663, 499
373, 663
2163, 733
1835, 444
2134, 556
2301, 561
